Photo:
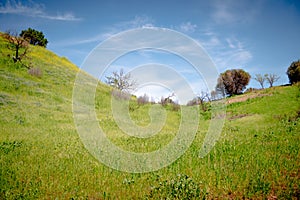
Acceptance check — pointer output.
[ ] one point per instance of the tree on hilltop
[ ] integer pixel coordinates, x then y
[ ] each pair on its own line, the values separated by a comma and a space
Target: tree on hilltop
260, 79
121, 81
233, 81
17, 44
272, 78
202, 99
34, 37
293, 72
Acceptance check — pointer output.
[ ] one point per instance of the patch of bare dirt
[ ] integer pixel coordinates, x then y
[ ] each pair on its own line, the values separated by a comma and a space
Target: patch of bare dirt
245, 98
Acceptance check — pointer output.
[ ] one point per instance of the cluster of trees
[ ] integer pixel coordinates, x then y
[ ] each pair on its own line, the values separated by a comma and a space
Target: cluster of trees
293, 73
123, 84
231, 82
34, 37
270, 78
19, 43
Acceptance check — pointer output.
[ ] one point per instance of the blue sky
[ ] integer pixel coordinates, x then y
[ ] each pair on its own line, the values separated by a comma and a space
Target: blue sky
260, 36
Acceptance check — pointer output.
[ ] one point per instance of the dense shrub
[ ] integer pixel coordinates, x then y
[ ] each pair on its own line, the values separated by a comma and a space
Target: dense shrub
180, 187
233, 81
34, 37
293, 72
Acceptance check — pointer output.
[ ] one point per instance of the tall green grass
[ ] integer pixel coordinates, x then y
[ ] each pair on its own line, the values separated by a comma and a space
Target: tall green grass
42, 156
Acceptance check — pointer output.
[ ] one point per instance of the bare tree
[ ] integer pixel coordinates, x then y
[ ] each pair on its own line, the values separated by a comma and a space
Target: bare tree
169, 101
17, 44
272, 78
166, 100
202, 100
121, 81
261, 79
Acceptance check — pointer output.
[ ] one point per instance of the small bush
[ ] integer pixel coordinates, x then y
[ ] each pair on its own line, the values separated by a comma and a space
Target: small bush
175, 107
120, 95
5, 100
181, 187
6, 147
293, 72
193, 102
249, 90
35, 71
143, 99
20, 120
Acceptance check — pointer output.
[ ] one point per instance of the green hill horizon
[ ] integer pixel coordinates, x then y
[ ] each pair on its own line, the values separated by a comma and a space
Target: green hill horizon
42, 156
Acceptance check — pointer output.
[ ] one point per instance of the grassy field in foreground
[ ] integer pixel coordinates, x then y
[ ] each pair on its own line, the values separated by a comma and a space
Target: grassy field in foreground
42, 156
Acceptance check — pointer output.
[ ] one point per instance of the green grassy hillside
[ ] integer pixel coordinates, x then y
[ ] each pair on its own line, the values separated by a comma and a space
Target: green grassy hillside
42, 156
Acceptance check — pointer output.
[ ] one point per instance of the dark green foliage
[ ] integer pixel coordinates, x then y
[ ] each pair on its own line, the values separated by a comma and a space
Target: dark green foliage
293, 72
233, 81
5, 100
6, 147
34, 37
258, 186
180, 187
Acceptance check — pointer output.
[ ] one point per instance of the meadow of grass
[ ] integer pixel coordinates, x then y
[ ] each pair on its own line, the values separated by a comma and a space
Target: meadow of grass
42, 156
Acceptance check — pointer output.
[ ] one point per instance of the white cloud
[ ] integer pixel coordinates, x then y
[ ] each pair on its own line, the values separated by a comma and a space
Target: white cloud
188, 27
230, 43
136, 22
33, 10
62, 17
165, 40
227, 52
160, 80
211, 42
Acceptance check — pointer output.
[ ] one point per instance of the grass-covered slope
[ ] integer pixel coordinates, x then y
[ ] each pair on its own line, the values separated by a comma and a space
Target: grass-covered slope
42, 156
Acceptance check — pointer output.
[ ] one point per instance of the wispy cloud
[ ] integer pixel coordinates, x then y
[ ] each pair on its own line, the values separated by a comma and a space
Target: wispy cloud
188, 27
33, 9
211, 42
229, 11
136, 22
226, 52
62, 17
